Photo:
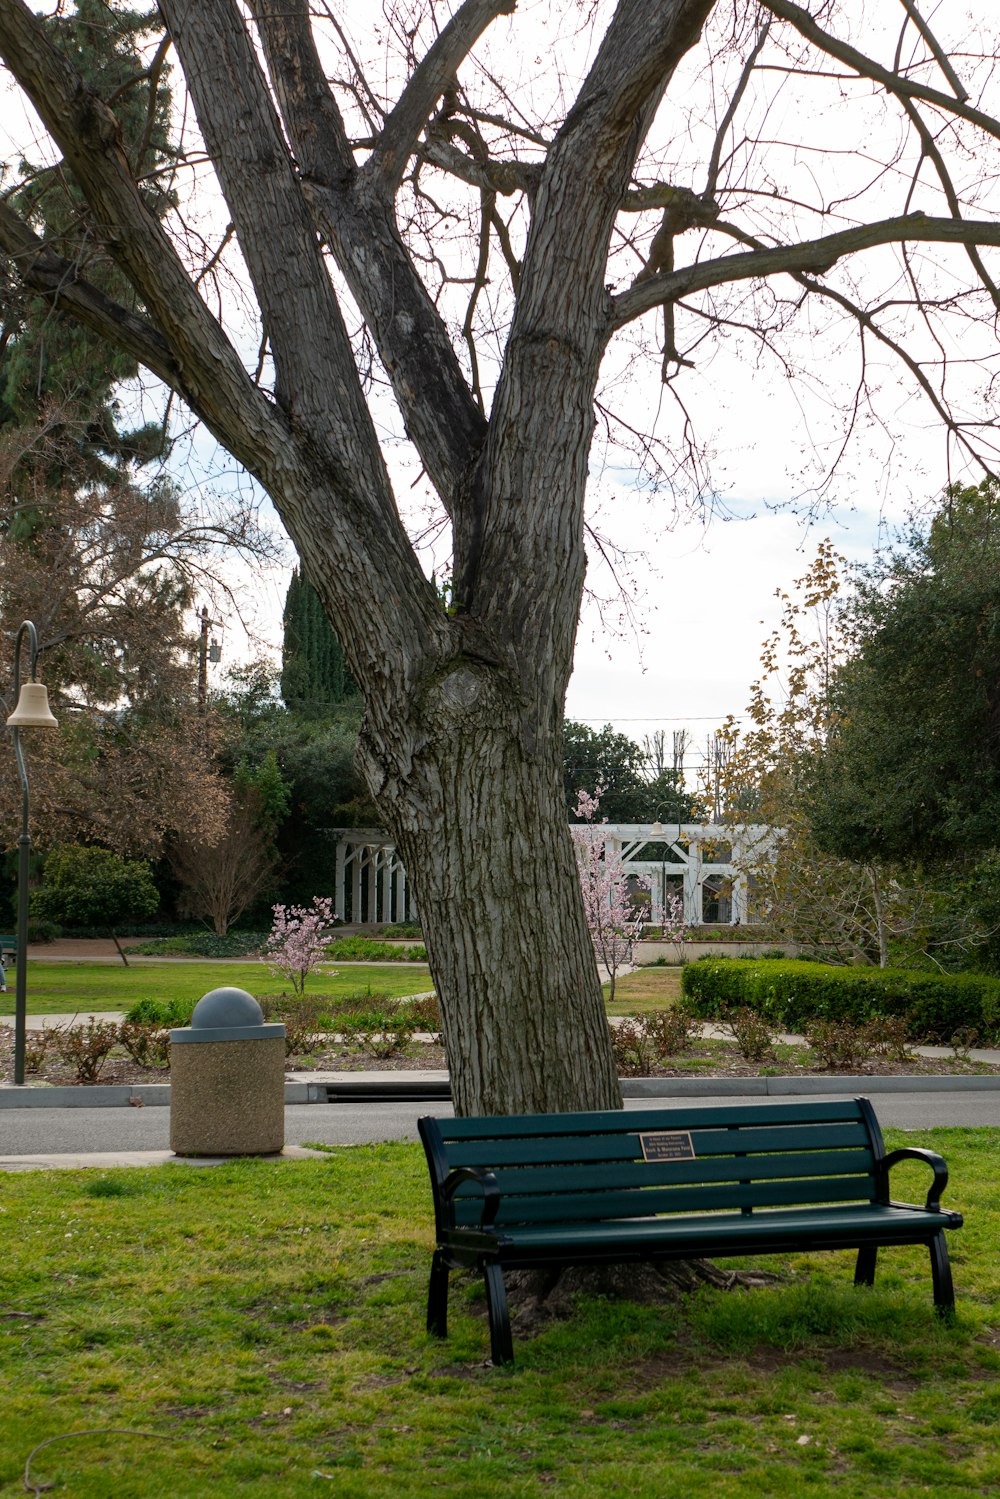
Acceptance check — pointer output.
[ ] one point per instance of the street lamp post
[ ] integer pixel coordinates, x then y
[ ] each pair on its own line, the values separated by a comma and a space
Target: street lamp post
657, 830
31, 712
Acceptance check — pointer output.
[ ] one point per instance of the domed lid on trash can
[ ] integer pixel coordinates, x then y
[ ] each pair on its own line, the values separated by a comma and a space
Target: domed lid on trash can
227, 1015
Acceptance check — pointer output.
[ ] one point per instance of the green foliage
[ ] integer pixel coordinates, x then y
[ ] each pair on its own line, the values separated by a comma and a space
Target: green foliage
912, 765
91, 887
43, 932
203, 945
593, 759
262, 792
314, 759
45, 357
160, 1013
368, 950
792, 995
314, 674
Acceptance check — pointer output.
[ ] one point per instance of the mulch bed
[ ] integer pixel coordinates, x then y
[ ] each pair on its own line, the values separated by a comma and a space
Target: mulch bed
705, 1060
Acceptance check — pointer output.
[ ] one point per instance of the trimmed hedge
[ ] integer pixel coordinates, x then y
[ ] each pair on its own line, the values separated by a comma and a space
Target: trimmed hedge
791, 994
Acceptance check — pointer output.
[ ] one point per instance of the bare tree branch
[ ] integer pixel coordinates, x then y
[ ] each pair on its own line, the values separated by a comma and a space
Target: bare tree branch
431, 78
941, 57
816, 256
867, 67
413, 343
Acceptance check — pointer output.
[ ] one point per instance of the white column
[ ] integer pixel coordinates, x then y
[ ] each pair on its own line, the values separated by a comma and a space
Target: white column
356, 856
339, 878
386, 856
693, 914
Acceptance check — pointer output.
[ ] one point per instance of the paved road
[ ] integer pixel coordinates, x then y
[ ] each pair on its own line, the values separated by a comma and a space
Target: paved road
72, 1131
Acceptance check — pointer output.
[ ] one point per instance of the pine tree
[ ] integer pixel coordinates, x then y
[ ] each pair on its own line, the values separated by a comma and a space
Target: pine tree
91, 550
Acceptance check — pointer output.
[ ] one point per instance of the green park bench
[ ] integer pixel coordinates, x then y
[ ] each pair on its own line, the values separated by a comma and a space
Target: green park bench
548, 1190
8, 949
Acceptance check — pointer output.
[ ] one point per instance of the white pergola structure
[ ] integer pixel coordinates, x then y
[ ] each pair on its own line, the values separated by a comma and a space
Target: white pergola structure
709, 863
369, 880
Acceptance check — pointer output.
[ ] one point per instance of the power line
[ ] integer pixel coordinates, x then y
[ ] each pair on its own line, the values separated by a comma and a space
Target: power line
677, 718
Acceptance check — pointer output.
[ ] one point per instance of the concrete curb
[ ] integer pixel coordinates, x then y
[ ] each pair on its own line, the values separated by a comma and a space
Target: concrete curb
434, 1087
106, 1160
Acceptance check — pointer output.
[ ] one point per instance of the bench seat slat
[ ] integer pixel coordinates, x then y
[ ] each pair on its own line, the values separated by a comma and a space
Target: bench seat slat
565, 1208
522, 1180
494, 1154
847, 1223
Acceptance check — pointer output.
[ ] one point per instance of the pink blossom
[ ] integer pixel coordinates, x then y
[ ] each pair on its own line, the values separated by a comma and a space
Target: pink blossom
613, 922
297, 943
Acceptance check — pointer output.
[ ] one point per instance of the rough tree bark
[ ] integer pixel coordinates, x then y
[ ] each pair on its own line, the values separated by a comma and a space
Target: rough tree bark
460, 744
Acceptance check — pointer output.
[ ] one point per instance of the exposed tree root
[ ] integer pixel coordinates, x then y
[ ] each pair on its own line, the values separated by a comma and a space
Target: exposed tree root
538, 1296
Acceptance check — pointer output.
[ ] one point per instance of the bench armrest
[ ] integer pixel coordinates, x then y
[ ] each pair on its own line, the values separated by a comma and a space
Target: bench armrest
936, 1163
484, 1179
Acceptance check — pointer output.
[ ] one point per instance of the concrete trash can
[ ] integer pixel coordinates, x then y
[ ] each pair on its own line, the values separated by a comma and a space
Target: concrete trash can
227, 1079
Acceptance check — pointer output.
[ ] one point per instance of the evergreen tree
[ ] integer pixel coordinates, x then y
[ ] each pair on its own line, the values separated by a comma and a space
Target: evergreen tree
314, 674
94, 552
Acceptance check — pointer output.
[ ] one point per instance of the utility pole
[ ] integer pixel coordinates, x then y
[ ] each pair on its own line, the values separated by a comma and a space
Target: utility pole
206, 652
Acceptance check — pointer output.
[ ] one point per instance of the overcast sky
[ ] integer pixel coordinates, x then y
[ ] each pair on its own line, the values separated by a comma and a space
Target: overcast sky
699, 597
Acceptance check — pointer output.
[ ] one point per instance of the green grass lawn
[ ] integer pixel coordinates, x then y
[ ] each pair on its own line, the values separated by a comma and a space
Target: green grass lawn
645, 989
262, 1324
54, 988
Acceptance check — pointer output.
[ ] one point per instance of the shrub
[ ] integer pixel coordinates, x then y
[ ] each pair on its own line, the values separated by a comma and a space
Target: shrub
147, 1045
86, 1048
37, 1046
368, 950
962, 1043
426, 1012
631, 1049
669, 1031
751, 1032
381, 1035
43, 931
160, 1013
302, 1019
794, 994
842, 1044
205, 945
645, 1041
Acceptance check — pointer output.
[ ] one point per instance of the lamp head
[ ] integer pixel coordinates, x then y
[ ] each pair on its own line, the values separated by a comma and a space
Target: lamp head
32, 711
657, 827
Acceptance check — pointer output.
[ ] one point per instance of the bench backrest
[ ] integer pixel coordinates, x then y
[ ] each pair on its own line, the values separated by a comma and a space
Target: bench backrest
563, 1168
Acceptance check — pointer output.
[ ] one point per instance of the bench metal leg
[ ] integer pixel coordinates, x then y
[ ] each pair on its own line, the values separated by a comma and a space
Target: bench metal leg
501, 1343
944, 1291
437, 1297
864, 1270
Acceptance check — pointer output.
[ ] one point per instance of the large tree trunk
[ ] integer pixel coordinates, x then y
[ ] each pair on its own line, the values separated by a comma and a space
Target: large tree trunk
484, 831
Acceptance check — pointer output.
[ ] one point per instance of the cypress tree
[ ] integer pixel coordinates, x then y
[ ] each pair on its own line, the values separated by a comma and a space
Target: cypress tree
314, 674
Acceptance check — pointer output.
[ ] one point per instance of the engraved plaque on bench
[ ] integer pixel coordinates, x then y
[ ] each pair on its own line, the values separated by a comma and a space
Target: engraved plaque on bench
667, 1147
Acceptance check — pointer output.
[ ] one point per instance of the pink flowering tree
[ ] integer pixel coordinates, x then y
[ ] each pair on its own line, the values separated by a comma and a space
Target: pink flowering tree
614, 924
297, 943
